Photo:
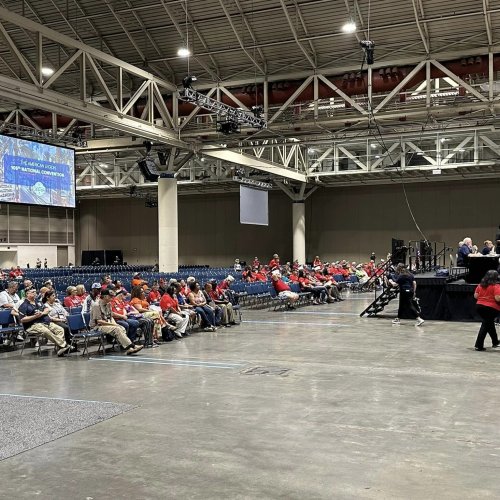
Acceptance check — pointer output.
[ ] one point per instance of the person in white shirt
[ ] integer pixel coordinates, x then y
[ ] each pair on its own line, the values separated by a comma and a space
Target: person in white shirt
9, 299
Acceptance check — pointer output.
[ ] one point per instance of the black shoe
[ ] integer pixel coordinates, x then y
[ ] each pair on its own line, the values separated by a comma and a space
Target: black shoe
494, 346
479, 348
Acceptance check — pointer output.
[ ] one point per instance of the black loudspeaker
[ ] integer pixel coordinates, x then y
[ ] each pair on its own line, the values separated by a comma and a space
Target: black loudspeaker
398, 251
148, 169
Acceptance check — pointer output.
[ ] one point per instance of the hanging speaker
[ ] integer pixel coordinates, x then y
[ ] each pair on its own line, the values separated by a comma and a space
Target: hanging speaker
148, 169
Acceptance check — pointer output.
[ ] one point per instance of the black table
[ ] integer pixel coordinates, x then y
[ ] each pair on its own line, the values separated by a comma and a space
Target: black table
478, 266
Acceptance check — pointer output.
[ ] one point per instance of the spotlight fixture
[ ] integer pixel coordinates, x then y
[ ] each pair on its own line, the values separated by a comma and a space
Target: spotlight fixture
257, 111
188, 81
349, 27
183, 52
46, 71
369, 48
228, 127
148, 145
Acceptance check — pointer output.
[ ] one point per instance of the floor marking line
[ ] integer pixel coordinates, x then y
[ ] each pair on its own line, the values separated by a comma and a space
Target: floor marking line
187, 361
137, 361
292, 323
59, 399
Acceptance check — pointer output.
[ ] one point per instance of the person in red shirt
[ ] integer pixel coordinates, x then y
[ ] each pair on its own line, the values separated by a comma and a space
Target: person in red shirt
260, 274
247, 275
317, 261
274, 263
283, 290
71, 299
154, 295
226, 283
170, 305
255, 263
487, 294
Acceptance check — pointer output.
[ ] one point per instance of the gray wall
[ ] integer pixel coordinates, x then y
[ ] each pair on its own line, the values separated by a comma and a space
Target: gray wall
209, 229
341, 222
352, 222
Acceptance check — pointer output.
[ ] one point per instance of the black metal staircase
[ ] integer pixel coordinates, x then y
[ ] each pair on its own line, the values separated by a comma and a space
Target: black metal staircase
381, 301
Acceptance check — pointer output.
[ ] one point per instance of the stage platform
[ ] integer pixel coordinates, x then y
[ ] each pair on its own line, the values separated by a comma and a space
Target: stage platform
442, 299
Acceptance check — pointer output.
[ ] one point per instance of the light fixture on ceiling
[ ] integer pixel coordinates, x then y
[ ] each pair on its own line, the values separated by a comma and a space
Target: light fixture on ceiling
183, 52
373, 145
349, 27
46, 71
420, 153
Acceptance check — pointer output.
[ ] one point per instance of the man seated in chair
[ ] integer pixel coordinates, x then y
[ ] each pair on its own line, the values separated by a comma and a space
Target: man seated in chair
463, 253
101, 318
36, 320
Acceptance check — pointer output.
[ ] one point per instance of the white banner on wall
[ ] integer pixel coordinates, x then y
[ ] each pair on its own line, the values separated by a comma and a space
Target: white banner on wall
254, 208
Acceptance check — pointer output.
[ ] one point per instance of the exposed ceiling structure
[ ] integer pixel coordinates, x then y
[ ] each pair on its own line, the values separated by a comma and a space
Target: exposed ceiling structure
426, 109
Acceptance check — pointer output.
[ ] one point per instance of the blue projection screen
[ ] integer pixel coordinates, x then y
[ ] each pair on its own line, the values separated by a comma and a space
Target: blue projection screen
36, 173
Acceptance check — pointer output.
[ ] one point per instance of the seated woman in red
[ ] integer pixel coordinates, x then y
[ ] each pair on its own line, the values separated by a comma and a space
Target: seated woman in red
71, 299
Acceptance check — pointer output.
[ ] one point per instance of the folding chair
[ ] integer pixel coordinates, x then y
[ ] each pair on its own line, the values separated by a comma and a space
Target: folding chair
9, 326
80, 331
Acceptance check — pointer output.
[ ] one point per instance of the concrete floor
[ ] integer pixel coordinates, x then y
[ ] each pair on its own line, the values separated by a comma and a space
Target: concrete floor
367, 410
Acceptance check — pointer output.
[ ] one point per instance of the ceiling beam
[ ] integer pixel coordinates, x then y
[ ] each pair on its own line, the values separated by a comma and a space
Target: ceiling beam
22, 92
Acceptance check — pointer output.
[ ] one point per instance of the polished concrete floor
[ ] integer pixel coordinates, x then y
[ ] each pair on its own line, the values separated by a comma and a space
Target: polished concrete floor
366, 409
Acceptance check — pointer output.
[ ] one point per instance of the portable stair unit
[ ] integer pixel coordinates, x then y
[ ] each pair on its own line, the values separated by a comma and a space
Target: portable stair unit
380, 302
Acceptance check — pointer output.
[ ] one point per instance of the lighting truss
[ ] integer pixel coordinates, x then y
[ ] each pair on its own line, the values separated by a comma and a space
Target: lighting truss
221, 109
22, 131
253, 183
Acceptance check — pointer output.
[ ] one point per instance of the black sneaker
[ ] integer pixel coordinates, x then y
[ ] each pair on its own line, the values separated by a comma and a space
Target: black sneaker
481, 348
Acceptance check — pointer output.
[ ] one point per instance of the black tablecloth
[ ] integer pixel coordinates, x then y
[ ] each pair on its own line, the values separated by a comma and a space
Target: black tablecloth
477, 267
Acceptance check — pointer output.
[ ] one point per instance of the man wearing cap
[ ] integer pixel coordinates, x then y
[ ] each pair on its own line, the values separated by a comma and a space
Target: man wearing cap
92, 297
35, 319
283, 290
101, 318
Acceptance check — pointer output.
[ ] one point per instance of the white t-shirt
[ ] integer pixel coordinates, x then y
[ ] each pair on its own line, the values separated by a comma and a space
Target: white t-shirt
7, 298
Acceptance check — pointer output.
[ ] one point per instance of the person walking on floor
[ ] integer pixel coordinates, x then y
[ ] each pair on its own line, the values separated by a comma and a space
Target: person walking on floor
407, 287
487, 295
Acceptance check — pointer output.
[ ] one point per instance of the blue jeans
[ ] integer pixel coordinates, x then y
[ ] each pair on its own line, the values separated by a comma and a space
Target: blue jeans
130, 326
207, 315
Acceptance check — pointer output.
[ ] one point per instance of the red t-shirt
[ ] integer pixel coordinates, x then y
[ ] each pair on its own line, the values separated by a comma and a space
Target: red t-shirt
72, 301
118, 307
154, 296
167, 302
273, 264
294, 278
487, 296
304, 281
281, 286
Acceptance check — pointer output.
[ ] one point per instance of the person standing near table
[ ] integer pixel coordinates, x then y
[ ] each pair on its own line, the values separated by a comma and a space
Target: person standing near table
407, 287
487, 294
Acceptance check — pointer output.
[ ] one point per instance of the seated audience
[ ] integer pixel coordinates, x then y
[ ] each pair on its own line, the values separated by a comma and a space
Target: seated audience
170, 307
138, 300
101, 318
71, 299
274, 263
154, 295
57, 313
255, 263
283, 290
198, 301
92, 298
9, 299
81, 293
318, 293
220, 300
36, 320
237, 265
26, 284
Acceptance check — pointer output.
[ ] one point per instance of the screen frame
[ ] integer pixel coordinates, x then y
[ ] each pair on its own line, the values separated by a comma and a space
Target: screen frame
3, 134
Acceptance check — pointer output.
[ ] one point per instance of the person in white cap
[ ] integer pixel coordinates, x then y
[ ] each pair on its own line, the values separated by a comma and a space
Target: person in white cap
92, 298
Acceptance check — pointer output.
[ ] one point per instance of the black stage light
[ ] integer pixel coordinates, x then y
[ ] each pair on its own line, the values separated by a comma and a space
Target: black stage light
148, 145
369, 47
257, 111
188, 81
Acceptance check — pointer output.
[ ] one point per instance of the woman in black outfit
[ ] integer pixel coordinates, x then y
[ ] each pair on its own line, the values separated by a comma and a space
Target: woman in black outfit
407, 286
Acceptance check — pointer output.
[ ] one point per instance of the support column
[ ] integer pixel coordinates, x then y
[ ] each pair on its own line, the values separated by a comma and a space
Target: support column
168, 244
299, 231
